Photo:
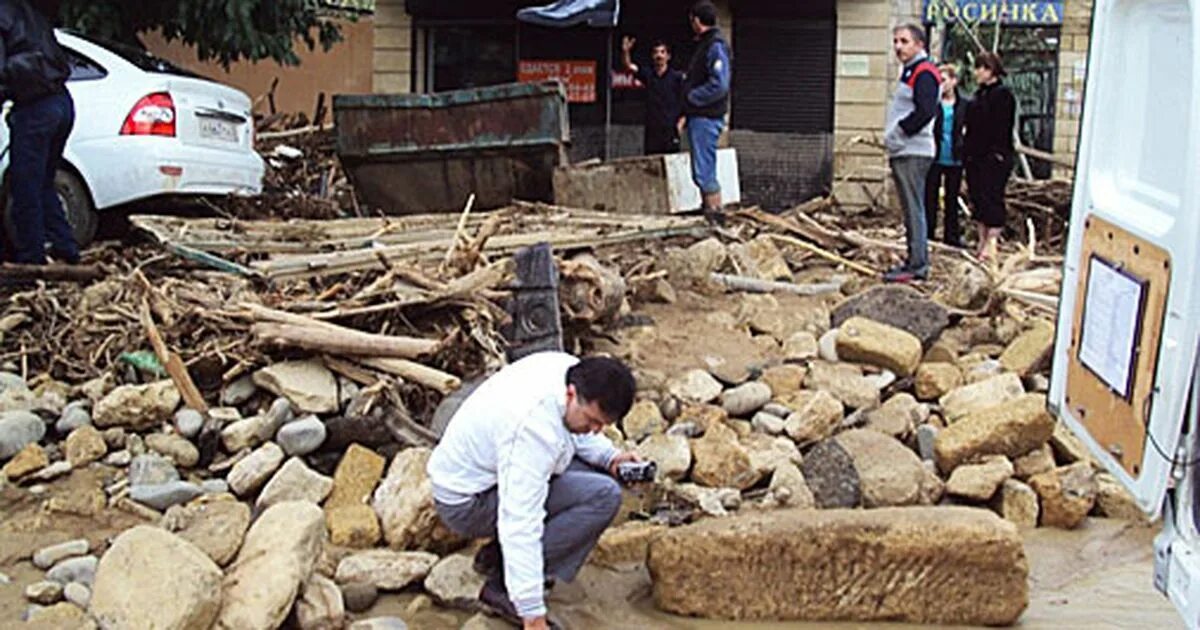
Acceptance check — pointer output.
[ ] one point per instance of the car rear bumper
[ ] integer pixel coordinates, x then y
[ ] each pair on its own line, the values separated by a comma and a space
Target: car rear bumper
131, 168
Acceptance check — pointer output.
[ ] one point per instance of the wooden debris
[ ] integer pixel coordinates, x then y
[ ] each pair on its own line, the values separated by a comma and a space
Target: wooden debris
52, 273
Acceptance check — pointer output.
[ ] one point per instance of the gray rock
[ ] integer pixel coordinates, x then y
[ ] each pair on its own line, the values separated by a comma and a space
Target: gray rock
174, 446
53, 471
359, 596
294, 481
188, 422
899, 306
695, 386
687, 429
119, 459
280, 413
74, 415
831, 475
164, 495
238, 392
82, 570
214, 486
8, 381
768, 423
78, 594
49, 556
827, 345
453, 581
745, 399
302, 436
45, 592
777, 409
881, 380
19, 429
926, 436
151, 470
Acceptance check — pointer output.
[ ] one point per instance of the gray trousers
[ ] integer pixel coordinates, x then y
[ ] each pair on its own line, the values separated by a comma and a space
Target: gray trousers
581, 504
909, 173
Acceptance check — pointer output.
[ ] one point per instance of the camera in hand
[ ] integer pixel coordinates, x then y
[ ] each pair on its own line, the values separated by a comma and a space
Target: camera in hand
636, 472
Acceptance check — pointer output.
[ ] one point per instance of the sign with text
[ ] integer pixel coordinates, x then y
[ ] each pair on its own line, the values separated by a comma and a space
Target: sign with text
579, 76
1041, 12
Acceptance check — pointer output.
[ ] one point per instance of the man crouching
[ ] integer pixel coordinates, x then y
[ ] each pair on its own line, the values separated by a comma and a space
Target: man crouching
522, 462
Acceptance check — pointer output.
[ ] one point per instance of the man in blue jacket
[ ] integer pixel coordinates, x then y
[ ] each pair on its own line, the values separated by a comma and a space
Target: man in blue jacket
33, 74
706, 101
908, 138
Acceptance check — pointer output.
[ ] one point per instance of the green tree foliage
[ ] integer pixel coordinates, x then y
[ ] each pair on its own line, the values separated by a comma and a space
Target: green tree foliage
221, 30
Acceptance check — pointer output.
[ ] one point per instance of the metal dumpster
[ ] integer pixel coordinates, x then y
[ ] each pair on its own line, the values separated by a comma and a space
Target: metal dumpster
418, 153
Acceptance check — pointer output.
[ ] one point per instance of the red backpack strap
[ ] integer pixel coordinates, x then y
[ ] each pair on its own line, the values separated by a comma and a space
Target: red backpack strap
924, 66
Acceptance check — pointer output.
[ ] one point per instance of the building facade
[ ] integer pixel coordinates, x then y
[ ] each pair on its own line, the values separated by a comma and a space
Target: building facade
810, 89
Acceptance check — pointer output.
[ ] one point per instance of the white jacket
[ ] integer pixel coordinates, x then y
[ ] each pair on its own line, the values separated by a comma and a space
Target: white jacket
510, 434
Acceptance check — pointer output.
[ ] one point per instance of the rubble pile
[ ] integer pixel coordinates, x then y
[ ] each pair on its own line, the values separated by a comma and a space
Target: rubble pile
262, 397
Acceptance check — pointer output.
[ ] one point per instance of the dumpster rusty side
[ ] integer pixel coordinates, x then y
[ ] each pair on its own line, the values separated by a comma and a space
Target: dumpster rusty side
416, 153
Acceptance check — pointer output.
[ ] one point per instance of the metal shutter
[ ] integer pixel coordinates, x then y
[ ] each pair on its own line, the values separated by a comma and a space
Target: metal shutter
783, 74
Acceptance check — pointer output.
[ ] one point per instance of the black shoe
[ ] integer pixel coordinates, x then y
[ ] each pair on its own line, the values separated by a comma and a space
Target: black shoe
956, 242
715, 217
904, 275
494, 601
488, 561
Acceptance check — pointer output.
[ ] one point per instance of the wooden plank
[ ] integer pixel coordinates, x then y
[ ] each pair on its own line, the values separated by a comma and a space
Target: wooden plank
172, 363
346, 341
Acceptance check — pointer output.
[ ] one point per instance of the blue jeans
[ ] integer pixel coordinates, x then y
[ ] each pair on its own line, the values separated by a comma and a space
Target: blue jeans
909, 173
703, 134
38, 132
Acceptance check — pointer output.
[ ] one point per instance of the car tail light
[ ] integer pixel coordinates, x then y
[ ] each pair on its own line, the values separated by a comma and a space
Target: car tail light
153, 115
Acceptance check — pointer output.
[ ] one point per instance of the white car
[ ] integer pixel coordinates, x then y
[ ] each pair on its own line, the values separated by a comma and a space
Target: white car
145, 128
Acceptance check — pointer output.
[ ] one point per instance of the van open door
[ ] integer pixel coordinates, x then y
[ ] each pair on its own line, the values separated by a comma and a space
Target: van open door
1125, 354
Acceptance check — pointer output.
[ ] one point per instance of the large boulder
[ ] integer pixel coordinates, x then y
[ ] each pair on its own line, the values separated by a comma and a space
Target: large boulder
309, 385
898, 306
694, 386
215, 524
979, 482
643, 420
137, 407
454, 582
831, 476
963, 401
868, 341
1030, 350
151, 578
404, 503
671, 453
846, 382
815, 416
945, 565
1067, 493
295, 481
720, 461
387, 570
623, 546
889, 473
768, 453
19, 429
348, 513
1010, 429
275, 561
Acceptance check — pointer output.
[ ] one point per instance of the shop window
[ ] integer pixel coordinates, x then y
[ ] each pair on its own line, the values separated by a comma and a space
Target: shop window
471, 56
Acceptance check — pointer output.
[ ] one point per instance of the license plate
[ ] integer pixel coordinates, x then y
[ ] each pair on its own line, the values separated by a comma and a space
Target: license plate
214, 129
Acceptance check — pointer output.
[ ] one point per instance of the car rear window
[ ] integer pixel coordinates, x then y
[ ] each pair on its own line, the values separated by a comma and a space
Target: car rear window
82, 68
139, 57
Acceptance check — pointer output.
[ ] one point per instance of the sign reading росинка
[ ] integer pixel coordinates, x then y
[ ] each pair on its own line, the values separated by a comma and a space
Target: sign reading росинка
1048, 12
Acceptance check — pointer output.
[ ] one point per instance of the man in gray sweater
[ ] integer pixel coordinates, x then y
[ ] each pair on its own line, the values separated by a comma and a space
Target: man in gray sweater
908, 138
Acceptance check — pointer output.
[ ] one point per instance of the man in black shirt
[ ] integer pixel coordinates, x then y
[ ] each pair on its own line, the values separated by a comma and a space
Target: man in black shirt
664, 96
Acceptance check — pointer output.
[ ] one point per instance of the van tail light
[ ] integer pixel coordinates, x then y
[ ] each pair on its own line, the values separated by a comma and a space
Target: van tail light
153, 115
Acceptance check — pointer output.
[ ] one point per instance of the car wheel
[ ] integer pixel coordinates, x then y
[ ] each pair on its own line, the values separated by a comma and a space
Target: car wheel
76, 203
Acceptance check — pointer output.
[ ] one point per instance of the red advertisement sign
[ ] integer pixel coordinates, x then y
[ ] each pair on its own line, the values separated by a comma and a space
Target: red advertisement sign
579, 76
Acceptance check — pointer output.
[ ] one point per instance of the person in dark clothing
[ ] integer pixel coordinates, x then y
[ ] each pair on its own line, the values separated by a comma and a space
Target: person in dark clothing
664, 96
988, 149
33, 74
945, 174
706, 101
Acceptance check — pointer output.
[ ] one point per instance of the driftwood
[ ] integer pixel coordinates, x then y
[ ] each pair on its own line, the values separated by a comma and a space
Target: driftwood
52, 273
755, 285
589, 291
828, 255
346, 341
172, 363
415, 372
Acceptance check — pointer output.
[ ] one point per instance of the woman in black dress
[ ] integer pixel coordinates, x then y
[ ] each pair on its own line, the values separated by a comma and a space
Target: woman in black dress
988, 149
